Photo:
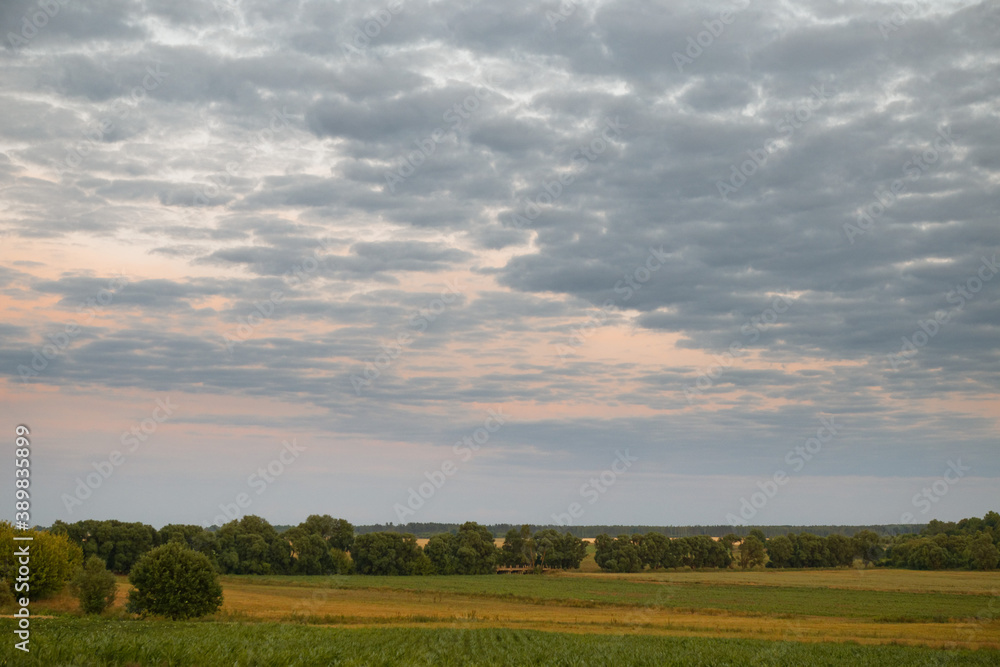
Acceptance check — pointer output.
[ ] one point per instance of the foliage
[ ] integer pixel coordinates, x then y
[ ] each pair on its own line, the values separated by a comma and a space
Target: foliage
117, 543
252, 546
388, 554
53, 560
337, 533
176, 582
194, 537
518, 548
471, 551
617, 555
94, 586
751, 552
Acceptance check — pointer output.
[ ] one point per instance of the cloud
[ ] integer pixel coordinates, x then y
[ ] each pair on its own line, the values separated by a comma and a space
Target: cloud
806, 154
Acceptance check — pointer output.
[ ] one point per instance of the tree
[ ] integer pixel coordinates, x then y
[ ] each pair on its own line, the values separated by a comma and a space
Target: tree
751, 552
440, 549
517, 549
174, 581
780, 551
867, 546
193, 536
337, 533
546, 542
841, 550
119, 544
94, 586
982, 553
569, 553
387, 554
728, 540
617, 555
471, 551
54, 560
811, 551
252, 546
654, 549
309, 552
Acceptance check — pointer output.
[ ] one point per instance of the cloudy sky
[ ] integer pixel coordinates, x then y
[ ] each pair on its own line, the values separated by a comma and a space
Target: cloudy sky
625, 262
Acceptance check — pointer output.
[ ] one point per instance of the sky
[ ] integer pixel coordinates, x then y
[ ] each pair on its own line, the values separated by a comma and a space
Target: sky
630, 262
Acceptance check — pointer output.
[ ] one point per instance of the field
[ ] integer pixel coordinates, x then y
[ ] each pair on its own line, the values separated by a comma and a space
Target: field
884, 617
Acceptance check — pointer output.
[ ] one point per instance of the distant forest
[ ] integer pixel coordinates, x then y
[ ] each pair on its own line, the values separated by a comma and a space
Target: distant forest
427, 530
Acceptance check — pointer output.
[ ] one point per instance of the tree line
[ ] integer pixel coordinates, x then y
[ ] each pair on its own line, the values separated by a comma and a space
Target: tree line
429, 529
324, 545
969, 544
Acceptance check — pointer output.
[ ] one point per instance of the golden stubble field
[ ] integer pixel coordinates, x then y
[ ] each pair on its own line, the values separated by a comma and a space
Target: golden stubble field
383, 606
423, 602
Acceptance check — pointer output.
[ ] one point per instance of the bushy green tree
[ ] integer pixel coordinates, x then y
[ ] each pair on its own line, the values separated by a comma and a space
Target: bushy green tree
780, 551
982, 553
337, 533
867, 546
54, 560
569, 552
119, 544
174, 581
470, 551
252, 546
617, 555
751, 552
388, 554
518, 548
194, 537
840, 550
94, 586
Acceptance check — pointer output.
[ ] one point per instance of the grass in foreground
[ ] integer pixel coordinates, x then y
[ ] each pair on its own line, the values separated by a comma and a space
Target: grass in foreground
82, 642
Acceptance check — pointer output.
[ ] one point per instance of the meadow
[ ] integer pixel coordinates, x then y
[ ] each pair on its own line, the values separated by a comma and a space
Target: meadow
839, 616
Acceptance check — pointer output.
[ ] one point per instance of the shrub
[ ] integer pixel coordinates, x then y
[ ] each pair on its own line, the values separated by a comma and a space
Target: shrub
174, 581
94, 586
54, 559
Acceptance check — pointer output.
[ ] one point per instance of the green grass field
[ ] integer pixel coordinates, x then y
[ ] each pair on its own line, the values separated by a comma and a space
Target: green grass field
816, 617
87, 642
